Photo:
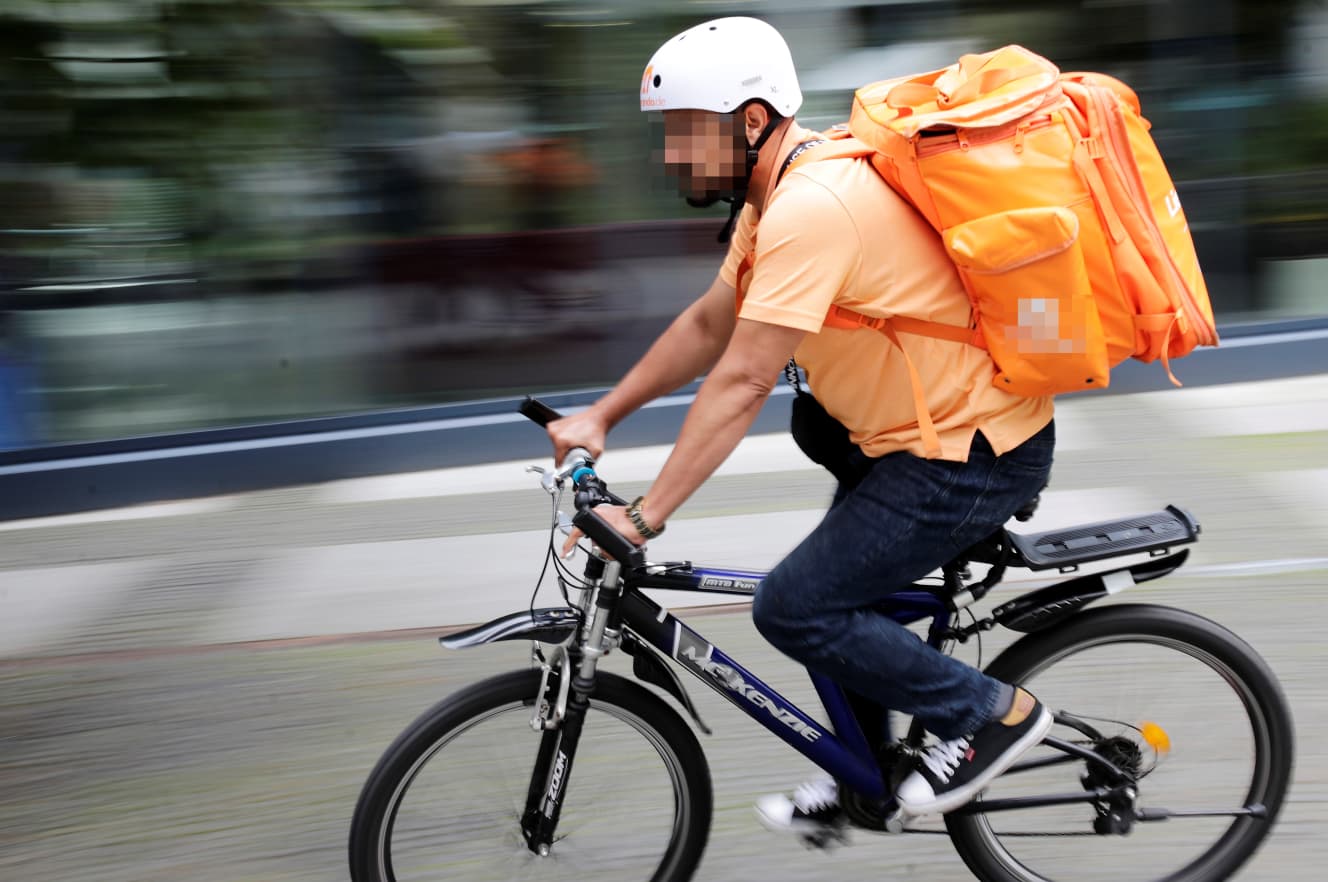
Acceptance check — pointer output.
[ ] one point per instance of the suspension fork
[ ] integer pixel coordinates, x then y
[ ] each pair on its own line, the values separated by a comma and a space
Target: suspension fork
553, 762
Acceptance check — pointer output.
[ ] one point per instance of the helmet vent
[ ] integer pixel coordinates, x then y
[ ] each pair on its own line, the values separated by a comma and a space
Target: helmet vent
657, 81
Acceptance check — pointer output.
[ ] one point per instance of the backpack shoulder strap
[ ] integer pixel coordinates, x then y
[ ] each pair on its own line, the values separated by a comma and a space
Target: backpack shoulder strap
838, 145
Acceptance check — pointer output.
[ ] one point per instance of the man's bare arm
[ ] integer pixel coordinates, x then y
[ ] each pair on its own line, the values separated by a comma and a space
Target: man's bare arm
724, 409
689, 347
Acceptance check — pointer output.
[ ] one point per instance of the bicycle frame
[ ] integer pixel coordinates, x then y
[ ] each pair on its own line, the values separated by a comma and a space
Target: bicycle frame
613, 612
842, 751
613, 608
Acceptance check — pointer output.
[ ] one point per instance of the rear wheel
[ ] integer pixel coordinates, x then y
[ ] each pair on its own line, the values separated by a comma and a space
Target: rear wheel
1145, 678
446, 799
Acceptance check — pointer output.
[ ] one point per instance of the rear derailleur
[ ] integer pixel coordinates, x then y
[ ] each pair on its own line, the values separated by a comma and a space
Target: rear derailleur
1117, 811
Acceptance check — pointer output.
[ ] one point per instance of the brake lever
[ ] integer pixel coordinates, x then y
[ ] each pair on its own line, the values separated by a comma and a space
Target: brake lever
548, 479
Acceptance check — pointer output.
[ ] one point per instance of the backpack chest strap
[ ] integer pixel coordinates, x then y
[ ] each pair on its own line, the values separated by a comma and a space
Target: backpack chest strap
838, 317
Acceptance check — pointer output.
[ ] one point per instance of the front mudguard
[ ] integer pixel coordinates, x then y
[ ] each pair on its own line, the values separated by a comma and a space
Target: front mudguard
548, 625
557, 625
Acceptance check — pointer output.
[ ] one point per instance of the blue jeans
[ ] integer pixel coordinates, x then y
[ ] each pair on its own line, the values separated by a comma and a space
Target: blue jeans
906, 517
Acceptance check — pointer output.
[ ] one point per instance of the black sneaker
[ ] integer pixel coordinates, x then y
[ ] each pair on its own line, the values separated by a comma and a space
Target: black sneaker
811, 810
953, 772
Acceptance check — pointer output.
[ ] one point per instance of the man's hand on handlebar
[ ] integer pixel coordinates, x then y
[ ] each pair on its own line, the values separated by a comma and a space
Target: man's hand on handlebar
585, 429
599, 513
616, 516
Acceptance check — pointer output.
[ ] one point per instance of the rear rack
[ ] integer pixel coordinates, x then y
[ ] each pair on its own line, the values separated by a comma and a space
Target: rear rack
1065, 549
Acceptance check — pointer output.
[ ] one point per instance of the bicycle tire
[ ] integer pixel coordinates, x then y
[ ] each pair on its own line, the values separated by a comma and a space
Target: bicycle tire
616, 702
1231, 659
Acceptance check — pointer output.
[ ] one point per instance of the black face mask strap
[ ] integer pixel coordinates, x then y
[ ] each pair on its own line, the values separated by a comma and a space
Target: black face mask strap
739, 198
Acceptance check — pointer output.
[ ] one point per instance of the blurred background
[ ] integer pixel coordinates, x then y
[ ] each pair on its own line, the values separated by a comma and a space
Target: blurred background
229, 212
225, 220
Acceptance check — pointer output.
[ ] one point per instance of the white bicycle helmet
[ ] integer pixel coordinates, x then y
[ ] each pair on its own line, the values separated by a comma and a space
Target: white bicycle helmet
719, 65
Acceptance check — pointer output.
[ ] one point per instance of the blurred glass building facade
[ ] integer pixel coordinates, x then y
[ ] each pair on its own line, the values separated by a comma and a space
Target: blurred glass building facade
220, 212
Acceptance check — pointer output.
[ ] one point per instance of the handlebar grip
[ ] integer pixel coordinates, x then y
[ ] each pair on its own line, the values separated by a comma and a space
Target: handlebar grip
608, 539
534, 409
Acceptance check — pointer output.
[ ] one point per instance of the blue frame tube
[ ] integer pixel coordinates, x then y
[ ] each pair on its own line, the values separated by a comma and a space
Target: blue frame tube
842, 719
760, 702
841, 750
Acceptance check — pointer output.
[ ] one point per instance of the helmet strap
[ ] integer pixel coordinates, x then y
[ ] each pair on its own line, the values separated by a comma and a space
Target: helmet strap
754, 151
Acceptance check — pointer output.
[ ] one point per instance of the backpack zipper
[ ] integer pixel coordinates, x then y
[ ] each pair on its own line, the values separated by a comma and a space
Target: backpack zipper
926, 146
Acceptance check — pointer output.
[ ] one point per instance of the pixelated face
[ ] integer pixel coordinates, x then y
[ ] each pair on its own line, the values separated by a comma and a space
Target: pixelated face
704, 154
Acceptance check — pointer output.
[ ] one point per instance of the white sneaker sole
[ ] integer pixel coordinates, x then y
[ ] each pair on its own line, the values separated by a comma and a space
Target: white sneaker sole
955, 798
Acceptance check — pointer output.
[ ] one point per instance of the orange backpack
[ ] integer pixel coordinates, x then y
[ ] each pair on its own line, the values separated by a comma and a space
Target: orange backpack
1055, 206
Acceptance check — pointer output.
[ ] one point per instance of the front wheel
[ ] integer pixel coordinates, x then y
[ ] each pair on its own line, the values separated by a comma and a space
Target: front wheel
446, 799
1176, 699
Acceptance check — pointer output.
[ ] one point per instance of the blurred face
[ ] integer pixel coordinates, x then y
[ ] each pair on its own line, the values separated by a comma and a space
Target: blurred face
704, 153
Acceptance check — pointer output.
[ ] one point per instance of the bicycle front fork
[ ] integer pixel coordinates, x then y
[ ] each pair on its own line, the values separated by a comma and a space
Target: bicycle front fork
561, 711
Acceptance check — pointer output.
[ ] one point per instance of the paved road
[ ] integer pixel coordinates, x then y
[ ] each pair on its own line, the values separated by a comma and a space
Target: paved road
140, 741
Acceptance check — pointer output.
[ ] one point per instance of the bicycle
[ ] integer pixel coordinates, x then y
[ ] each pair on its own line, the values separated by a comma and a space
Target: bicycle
1117, 754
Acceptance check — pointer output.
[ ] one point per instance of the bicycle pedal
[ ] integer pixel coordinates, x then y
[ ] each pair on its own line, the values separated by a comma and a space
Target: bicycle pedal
894, 822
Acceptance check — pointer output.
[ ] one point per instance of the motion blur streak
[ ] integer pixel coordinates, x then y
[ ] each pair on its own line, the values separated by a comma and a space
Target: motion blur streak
225, 212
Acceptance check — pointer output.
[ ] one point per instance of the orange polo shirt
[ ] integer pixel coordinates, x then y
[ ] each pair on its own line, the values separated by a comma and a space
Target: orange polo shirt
833, 232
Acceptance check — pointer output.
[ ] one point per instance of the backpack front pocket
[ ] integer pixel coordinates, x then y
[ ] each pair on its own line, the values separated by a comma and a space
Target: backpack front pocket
1025, 274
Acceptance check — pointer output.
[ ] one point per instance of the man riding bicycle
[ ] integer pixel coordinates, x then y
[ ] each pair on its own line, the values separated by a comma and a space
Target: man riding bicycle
825, 233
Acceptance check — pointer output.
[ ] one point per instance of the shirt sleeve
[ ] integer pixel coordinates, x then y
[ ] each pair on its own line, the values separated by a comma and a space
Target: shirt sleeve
807, 251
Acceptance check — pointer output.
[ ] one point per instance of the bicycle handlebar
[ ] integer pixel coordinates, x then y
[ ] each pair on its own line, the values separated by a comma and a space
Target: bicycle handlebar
534, 409
591, 491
